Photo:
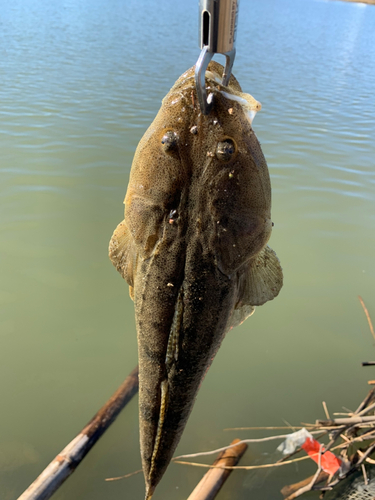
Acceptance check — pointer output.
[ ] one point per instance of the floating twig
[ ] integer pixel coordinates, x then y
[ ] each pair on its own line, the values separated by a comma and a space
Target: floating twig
264, 428
125, 476
244, 467
243, 441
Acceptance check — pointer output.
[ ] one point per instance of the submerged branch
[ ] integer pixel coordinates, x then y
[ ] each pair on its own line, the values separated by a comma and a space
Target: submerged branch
71, 456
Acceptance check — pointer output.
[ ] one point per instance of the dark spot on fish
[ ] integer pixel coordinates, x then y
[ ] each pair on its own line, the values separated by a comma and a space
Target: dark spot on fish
225, 150
172, 198
150, 354
273, 224
169, 141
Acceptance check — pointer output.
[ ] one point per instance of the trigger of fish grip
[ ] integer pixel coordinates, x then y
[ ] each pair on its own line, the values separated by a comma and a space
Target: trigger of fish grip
205, 57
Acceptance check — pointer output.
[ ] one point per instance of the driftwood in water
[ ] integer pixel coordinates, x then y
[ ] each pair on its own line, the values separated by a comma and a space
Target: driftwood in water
289, 490
213, 480
71, 456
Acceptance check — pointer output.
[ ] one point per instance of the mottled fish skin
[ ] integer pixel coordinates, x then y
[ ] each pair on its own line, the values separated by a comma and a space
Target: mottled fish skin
193, 249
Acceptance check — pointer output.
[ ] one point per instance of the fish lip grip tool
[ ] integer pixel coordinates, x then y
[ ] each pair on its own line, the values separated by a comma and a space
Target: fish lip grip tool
217, 35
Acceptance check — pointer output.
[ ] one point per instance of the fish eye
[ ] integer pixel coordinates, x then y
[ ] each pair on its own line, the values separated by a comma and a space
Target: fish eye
226, 150
169, 141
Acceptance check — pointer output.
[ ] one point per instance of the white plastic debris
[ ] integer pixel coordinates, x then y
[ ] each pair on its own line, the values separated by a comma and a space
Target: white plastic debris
294, 441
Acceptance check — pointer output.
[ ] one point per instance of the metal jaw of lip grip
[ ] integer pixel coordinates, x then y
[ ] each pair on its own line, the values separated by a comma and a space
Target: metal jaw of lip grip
217, 35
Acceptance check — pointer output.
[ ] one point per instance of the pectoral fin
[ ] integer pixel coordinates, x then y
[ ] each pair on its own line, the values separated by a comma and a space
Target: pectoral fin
263, 279
123, 253
260, 282
239, 315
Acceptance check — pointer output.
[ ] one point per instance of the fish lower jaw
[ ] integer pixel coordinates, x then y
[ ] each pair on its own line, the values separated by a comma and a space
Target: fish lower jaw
149, 492
170, 359
164, 389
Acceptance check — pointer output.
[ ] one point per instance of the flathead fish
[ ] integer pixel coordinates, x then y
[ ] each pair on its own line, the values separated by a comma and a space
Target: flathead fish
193, 249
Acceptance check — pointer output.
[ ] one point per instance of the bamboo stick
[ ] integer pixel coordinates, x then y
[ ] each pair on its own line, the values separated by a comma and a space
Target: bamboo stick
346, 421
213, 480
65, 463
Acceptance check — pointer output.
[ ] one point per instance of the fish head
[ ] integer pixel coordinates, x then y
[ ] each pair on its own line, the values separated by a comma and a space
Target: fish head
217, 154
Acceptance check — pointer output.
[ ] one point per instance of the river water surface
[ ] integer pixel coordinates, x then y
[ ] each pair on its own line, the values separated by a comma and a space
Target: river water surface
80, 83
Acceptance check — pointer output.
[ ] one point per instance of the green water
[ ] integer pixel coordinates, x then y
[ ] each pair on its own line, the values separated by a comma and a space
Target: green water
80, 82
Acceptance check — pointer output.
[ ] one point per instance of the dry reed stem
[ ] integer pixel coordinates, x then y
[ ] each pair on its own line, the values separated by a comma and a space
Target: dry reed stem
367, 316
247, 467
366, 401
326, 410
365, 478
246, 441
123, 477
263, 428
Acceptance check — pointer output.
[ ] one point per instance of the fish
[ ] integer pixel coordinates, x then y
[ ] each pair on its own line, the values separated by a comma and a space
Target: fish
193, 249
